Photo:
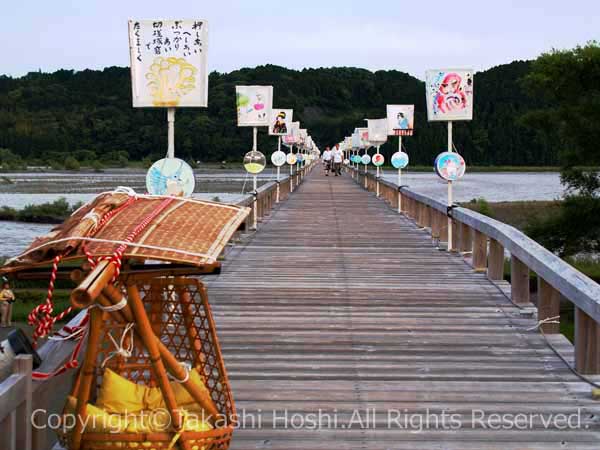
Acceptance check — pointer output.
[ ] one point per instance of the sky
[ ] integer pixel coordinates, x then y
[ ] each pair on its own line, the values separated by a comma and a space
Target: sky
410, 36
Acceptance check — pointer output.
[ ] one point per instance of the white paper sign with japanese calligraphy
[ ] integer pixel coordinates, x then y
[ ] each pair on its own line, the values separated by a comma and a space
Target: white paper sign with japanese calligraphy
168, 62
254, 104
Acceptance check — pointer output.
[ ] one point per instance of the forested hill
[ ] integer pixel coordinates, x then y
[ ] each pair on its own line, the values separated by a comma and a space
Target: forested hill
87, 114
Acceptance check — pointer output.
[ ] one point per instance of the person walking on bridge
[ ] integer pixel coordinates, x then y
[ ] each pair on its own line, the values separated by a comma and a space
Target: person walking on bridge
327, 160
338, 156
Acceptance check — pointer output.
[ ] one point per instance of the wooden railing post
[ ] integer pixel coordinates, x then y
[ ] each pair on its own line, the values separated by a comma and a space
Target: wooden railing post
587, 337
496, 261
24, 366
479, 251
519, 281
466, 238
443, 226
548, 304
455, 241
419, 213
427, 216
435, 224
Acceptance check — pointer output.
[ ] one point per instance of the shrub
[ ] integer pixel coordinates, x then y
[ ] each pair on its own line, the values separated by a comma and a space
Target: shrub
97, 166
72, 164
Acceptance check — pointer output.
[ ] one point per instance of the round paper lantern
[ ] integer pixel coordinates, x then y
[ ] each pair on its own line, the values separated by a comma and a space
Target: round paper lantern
365, 159
378, 159
450, 166
400, 160
278, 158
170, 176
254, 162
290, 159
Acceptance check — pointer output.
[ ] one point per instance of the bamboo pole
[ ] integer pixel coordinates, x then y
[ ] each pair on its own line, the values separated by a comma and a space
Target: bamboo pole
149, 339
190, 329
87, 376
113, 296
91, 286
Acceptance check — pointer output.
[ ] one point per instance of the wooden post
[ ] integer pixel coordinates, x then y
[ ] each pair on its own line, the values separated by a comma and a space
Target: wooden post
24, 366
435, 224
466, 239
519, 281
419, 213
548, 304
479, 251
496, 261
587, 350
427, 216
87, 376
400, 201
443, 226
454, 241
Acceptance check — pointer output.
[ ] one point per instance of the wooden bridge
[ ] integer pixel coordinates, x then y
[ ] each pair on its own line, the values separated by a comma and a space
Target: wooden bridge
347, 325
340, 304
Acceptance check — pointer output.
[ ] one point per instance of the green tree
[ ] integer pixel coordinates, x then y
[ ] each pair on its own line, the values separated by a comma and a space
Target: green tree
569, 83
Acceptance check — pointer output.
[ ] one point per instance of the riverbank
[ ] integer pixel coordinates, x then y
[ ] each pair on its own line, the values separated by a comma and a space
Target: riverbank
49, 213
235, 165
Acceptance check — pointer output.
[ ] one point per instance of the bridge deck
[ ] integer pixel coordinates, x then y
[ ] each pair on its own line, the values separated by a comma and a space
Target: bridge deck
340, 304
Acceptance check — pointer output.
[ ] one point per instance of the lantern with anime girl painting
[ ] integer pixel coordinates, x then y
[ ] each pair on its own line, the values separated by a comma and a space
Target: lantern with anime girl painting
449, 95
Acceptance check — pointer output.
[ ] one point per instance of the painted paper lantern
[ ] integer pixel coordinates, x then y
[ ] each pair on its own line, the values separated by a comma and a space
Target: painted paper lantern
450, 166
365, 159
170, 176
291, 159
400, 160
278, 158
254, 162
378, 159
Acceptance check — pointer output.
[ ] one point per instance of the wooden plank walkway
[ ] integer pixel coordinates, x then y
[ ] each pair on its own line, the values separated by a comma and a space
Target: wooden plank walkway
339, 304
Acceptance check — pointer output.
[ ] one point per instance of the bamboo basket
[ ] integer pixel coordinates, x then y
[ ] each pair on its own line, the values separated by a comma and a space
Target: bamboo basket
179, 314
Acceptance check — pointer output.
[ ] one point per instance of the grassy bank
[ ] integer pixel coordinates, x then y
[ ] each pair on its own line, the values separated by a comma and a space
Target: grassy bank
518, 214
27, 299
52, 212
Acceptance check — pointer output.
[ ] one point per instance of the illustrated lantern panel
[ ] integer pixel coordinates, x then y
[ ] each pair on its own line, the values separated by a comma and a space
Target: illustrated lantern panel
170, 72
449, 94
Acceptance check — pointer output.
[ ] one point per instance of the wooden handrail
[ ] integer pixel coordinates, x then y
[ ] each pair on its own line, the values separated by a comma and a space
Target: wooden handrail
15, 406
488, 240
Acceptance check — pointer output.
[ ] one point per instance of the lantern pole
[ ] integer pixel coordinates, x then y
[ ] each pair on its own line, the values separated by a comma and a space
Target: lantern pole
450, 199
171, 132
399, 177
377, 175
254, 179
291, 170
278, 170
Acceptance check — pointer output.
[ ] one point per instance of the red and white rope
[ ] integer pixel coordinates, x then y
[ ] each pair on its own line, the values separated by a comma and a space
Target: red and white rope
41, 316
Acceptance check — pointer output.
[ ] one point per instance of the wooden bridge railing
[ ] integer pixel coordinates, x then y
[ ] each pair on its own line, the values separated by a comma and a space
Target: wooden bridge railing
15, 406
265, 198
19, 395
487, 240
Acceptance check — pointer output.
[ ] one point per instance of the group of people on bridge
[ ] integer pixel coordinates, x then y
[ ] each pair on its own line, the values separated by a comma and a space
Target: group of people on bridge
333, 159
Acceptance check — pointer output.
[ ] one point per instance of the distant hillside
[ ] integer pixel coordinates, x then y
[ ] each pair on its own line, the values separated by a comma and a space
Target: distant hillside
49, 116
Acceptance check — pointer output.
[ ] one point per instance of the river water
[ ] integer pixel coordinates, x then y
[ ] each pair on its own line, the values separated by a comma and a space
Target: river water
228, 185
